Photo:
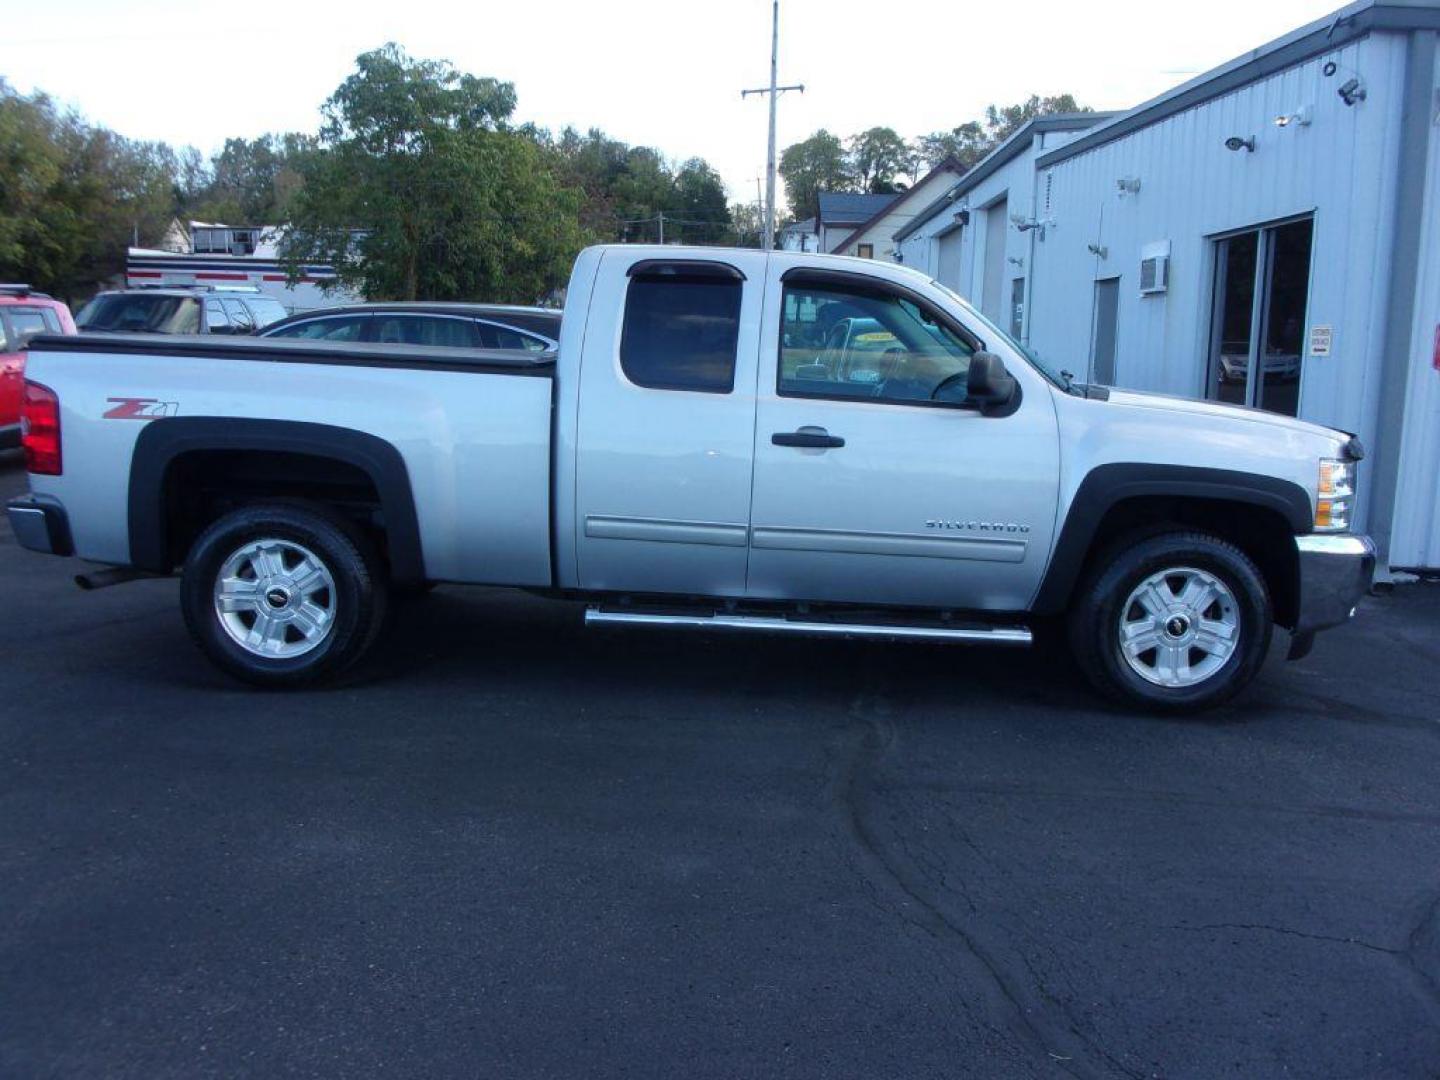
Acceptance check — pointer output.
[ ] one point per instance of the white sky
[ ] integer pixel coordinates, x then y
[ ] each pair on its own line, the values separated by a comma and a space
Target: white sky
663, 74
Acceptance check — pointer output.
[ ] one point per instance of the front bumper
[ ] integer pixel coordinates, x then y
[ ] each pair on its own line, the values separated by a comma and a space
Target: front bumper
1335, 572
40, 526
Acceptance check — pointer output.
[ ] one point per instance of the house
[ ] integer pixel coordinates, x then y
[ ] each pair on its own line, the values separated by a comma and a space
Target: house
873, 238
1263, 235
798, 236
842, 212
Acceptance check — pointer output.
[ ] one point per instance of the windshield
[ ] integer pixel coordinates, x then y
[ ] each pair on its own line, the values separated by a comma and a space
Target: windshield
141, 314
1049, 370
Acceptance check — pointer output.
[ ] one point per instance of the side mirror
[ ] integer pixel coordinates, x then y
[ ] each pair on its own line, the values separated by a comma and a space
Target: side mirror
989, 385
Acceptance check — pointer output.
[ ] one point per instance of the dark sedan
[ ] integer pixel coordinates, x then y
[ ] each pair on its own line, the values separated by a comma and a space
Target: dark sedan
465, 326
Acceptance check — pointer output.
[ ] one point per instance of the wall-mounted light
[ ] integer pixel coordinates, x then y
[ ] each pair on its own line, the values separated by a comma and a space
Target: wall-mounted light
1127, 185
1100, 251
1299, 117
1016, 261
1351, 91
962, 217
1235, 143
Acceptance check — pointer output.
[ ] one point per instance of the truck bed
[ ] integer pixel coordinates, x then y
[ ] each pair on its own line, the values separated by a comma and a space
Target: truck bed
472, 428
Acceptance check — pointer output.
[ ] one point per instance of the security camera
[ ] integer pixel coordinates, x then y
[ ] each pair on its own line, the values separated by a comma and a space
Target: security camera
1235, 143
1351, 91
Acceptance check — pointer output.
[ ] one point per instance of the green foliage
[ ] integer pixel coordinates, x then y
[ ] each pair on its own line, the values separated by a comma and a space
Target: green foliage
817, 164
875, 159
971, 141
627, 188
877, 155
419, 189
249, 182
72, 196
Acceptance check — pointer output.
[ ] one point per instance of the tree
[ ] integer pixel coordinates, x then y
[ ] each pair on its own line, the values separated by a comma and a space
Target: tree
73, 196
252, 181
418, 188
700, 204
972, 140
817, 164
876, 156
1002, 121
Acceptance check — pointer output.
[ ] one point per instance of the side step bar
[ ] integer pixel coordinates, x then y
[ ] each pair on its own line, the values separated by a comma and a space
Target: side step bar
775, 624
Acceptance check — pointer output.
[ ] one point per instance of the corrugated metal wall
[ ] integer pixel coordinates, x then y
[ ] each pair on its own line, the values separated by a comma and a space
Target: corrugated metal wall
1416, 539
1340, 167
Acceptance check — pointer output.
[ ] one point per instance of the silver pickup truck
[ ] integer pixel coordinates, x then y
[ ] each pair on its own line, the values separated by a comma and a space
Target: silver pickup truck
725, 439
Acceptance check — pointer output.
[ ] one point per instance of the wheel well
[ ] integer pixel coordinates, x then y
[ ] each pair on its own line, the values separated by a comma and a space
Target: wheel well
1262, 533
202, 485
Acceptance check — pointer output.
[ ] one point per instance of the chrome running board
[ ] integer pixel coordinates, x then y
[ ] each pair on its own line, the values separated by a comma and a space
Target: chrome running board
778, 624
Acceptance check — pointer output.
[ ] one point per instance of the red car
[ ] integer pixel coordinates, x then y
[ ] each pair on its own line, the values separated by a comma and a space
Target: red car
24, 313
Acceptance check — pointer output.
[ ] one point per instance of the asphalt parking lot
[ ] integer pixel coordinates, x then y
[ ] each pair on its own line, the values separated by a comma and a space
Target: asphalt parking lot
517, 848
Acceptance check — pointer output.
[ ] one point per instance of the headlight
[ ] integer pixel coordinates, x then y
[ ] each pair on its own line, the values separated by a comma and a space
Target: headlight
1334, 495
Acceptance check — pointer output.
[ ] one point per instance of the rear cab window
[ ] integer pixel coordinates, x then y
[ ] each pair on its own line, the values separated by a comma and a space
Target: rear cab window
25, 322
682, 327
141, 313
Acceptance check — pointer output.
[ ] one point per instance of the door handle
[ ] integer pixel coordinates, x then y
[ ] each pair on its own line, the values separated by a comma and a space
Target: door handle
808, 435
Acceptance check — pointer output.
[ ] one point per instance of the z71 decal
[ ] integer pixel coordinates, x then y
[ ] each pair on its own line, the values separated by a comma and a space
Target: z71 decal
139, 408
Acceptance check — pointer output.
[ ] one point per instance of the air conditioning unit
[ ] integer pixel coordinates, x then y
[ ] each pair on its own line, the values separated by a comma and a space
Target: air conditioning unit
1155, 268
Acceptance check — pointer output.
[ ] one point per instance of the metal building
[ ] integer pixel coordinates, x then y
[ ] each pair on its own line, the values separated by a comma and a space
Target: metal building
1267, 234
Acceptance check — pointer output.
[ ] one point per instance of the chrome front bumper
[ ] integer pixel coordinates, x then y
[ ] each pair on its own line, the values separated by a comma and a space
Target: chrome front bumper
1336, 570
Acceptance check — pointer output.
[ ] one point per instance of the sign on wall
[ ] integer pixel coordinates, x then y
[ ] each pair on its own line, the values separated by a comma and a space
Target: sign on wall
1321, 338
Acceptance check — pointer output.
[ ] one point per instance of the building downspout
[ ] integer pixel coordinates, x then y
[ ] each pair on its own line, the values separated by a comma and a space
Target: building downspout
1404, 275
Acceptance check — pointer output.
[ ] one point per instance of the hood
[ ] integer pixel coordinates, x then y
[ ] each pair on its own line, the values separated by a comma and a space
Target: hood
1170, 403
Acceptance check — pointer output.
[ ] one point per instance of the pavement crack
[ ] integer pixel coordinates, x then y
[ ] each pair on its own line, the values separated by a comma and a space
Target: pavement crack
1054, 1037
1291, 933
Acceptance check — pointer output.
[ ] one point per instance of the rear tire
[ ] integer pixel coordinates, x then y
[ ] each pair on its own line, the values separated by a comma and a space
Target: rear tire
1178, 622
283, 595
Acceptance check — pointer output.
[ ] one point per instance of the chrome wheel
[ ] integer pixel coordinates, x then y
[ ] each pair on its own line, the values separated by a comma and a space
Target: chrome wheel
275, 598
1179, 627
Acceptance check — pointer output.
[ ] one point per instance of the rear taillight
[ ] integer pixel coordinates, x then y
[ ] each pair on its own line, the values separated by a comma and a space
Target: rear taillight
40, 429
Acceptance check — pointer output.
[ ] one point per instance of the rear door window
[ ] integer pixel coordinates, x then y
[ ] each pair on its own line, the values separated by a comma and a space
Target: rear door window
681, 331
425, 330
329, 328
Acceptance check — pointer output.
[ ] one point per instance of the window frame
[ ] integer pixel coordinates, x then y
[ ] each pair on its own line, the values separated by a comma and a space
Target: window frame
807, 277
695, 271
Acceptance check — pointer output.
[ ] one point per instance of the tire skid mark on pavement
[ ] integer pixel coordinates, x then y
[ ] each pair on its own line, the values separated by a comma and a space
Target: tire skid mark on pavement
1028, 1014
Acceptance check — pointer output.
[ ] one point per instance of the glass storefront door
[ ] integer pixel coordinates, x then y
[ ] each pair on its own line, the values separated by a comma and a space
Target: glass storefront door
1257, 330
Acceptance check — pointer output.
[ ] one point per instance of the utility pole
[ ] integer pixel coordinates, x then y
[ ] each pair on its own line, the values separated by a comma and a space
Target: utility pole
774, 92
660, 218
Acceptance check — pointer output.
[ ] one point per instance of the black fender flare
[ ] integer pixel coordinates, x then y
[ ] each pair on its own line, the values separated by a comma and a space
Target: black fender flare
1106, 486
165, 440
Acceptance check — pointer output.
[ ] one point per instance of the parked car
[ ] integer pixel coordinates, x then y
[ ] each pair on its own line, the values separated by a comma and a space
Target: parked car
24, 313
463, 326
180, 310
670, 468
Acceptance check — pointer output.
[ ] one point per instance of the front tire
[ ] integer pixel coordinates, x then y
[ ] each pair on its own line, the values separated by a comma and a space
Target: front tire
1180, 621
283, 595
